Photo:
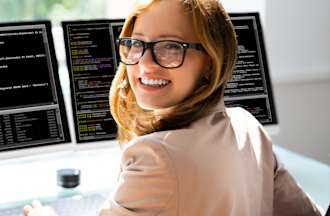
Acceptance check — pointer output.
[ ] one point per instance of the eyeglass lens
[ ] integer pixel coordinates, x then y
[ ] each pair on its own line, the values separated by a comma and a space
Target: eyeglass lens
167, 54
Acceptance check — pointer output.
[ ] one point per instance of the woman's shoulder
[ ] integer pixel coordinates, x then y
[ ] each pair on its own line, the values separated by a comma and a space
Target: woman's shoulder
232, 125
243, 121
216, 122
240, 113
150, 143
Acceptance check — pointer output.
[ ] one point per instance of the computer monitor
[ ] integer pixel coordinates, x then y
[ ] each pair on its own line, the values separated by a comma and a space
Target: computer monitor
92, 62
250, 86
32, 110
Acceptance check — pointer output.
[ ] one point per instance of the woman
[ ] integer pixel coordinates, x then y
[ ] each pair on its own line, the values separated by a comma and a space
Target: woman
184, 153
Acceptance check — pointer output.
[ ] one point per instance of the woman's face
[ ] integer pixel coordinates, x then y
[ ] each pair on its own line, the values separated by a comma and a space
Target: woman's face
156, 87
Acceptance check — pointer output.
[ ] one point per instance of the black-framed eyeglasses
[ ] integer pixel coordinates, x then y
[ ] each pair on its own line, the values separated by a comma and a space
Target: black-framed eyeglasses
166, 53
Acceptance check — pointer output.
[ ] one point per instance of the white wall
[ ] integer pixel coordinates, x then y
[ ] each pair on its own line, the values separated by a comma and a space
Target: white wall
298, 39
246, 6
303, 109
297, 34
119, 9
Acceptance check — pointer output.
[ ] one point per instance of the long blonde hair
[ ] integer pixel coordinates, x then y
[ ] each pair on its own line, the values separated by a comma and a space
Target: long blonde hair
217, 35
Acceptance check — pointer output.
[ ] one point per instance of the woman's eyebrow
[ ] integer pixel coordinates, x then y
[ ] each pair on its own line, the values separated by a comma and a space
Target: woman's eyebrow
137, 34
161, 36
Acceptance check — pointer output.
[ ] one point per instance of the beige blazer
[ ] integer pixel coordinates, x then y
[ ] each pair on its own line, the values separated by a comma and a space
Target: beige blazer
221, 165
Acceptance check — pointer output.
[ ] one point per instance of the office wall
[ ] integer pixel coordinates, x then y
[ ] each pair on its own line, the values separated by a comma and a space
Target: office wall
304, 115
117, 9
298, 39
246, 6
297, 34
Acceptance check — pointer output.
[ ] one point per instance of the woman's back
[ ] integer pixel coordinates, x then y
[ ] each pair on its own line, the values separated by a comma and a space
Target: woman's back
223, 164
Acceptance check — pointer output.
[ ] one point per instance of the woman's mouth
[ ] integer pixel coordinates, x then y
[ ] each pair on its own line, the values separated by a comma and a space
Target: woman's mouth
154, 82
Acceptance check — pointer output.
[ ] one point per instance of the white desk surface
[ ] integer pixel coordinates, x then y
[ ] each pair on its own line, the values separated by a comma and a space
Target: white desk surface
34, 177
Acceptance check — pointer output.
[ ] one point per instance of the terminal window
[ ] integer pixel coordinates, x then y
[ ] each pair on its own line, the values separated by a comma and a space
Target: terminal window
250, 86
31, 110
92, 63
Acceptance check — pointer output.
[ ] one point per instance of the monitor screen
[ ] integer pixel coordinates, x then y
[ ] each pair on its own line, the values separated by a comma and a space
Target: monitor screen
92, 62
32, 110
250, 86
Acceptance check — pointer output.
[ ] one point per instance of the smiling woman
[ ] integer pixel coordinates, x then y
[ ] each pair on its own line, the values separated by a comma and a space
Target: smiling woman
55, 10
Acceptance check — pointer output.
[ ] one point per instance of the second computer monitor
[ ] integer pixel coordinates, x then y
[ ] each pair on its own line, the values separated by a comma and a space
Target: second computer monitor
92, 62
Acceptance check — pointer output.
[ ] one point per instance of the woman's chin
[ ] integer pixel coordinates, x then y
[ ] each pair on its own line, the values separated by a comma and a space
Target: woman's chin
154, 106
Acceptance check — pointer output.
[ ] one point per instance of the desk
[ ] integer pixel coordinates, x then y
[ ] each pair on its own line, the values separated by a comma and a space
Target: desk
34, 177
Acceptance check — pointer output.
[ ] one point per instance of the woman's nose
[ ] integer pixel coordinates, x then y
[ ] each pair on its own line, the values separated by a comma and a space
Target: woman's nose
147, 60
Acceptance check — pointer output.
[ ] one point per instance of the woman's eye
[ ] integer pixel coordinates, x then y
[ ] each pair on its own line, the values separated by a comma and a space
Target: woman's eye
136, 44
172, 46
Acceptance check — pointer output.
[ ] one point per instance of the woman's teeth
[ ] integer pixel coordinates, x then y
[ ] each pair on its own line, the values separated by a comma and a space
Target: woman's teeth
153, 82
